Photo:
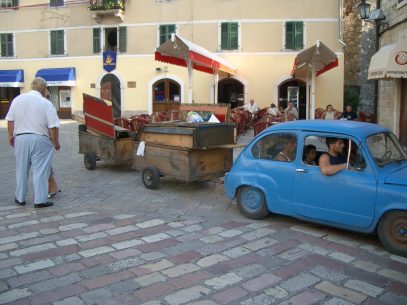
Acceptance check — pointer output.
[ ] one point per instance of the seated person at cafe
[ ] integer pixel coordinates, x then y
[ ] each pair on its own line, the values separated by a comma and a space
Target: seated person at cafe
291, 110
287, 154
333, 161
309, 154
273, 110
251, 107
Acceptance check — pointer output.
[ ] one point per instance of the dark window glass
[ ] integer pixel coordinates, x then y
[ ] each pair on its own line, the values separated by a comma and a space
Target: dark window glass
122, 39
294, 35
229, 36
96, 40
165, 32
159, 92
174, 92
57, 42
7, 49
55, 3
8, 3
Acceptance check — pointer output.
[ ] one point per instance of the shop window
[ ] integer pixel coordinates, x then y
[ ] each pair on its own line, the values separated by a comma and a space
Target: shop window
8, 3
115, 39
294, 35
56, 3
57, 42
165, 32
7, 45
229, 36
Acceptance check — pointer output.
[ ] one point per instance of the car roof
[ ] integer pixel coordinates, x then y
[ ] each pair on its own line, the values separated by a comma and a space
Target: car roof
355, 128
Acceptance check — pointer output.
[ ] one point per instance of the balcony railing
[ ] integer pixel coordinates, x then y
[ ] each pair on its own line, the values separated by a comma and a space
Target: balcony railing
102, 5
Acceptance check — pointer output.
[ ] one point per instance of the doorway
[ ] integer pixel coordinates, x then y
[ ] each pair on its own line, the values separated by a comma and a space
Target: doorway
166, 95
295, 91
110, 90
231, 91
403, 112
7, 95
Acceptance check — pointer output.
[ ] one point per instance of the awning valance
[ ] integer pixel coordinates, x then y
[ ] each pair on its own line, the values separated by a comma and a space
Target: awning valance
178, 51
389, 61
58, 76
11, 78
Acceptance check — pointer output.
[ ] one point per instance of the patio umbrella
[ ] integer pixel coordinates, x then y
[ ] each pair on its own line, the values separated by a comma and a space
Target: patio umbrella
182, 52
321, 59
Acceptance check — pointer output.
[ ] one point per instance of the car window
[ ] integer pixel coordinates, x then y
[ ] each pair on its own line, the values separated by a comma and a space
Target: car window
277, 146
315, 146
385, 148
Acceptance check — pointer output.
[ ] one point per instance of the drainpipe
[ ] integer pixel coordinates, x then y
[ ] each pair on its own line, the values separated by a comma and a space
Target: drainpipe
376, 85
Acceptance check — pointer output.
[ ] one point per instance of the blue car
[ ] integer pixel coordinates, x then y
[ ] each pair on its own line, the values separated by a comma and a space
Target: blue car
276, 173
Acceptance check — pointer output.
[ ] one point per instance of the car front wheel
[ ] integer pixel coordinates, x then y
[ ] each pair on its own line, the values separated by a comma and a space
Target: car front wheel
392, 232
252, 203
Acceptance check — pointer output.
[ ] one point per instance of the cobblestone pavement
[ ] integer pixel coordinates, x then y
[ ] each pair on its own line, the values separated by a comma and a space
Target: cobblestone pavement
108, 240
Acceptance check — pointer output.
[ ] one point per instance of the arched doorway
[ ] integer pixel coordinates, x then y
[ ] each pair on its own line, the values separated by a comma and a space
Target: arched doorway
166, 95
293, 90
110, 90
231, 91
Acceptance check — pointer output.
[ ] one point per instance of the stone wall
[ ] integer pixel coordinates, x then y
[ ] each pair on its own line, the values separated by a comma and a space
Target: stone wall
360, 39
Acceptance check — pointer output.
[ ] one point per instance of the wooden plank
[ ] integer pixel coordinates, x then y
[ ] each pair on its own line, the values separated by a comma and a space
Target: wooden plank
210, 163
175, 140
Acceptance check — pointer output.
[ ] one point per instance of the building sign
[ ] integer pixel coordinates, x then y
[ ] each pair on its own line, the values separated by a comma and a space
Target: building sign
109, 60
401, 58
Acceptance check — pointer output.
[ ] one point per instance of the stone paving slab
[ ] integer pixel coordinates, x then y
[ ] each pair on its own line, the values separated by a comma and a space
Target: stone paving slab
108, 241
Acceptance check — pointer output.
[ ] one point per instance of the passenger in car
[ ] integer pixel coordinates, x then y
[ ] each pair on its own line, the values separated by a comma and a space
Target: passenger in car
333, 161
287, 154
309, 154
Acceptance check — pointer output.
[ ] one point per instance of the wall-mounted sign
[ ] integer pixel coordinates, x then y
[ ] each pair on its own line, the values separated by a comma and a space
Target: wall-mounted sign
109, 60
64, 98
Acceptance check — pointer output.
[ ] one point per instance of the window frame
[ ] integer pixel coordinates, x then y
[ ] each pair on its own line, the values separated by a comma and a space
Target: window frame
50, 43
220, 47
159, 32
257, 150
100, 30
13, 44
284, 36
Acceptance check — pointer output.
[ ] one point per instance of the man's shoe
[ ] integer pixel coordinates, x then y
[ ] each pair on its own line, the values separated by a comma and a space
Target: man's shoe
18, 202
43, 205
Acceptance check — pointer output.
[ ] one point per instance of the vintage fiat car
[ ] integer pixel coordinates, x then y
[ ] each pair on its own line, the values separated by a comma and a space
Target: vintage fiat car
370, 195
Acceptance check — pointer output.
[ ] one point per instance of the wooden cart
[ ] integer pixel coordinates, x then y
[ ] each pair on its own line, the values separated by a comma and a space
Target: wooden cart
173, 162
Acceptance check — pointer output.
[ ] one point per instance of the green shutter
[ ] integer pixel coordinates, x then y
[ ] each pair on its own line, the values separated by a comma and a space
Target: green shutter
289, 35
9, 47
299, 35
60, 43
224, 36
15, 3
3, 45
122, 39
165, 32
57, 42
96, 40
53, 43
234, 36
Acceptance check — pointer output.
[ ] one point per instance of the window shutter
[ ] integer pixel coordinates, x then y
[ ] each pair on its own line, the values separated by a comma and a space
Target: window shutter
289, 33
3, 45
10, 49
122, 39
60, 44
224, 36
299, 35
15, 3
53, 42
96, 40
234, 36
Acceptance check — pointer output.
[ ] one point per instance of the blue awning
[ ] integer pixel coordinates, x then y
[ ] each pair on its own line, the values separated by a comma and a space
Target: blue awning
58, 76
11, 78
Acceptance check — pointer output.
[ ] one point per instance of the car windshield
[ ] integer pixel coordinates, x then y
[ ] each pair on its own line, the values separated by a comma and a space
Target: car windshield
385, 148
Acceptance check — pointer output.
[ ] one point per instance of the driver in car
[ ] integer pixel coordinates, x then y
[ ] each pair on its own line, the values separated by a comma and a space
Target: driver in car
333, 161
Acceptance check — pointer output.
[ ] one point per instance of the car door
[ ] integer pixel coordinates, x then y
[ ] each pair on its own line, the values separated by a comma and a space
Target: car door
345, 199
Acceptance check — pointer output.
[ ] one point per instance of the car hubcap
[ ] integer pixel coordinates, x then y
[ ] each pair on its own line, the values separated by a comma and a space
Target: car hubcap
400, 230
252, 200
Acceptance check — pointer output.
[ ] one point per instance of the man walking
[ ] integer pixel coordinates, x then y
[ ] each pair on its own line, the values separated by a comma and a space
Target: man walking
33, 128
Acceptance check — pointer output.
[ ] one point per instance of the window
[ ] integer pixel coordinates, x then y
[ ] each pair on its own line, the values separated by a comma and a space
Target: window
115, 39
165, 32
56, 3
8, 3
57, 42
294, 35
96, 40
229, 36
279, 147
7, 48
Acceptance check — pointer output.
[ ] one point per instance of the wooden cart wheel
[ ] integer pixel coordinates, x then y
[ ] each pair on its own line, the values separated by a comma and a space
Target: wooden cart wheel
90, 161
151, 177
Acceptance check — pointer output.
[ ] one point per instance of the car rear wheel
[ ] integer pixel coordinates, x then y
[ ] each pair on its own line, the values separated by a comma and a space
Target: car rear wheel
392, 232
252, 203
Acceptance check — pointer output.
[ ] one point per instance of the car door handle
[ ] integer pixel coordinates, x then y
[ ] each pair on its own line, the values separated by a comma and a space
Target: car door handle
301, 170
